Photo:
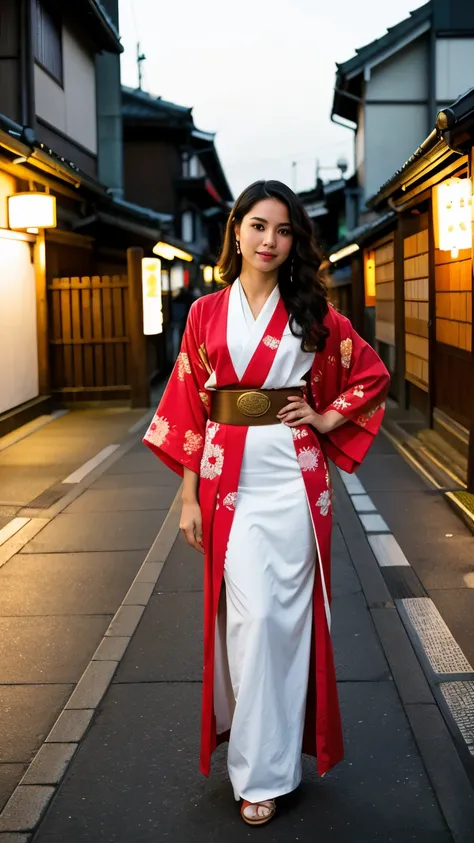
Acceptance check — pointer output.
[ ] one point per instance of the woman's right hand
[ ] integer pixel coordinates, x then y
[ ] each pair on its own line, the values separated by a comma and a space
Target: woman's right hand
191, 524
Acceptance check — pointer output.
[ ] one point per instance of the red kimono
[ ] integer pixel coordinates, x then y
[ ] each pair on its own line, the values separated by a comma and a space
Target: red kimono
347, 376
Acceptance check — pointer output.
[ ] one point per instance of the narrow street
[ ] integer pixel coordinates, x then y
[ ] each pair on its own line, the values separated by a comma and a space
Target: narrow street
100, 662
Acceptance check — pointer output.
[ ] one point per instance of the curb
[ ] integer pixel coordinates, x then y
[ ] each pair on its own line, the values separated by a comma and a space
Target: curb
436, 733
32, 796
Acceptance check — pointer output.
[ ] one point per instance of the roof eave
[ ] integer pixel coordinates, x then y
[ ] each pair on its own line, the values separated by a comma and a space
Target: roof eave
109, 34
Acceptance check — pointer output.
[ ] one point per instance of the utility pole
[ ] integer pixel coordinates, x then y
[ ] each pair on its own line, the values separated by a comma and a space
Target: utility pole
140, 58
293, 169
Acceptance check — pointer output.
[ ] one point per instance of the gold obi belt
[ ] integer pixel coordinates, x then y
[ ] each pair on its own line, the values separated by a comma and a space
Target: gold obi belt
249, 406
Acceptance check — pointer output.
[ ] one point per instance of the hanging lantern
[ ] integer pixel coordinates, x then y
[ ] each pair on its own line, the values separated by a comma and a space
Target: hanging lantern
208, 274
31, 211
152, 305
454, 215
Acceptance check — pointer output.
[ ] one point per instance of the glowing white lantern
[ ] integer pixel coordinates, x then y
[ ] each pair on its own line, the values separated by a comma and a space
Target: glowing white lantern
208, 274
31, 211
454, 228
152, 308
176, 277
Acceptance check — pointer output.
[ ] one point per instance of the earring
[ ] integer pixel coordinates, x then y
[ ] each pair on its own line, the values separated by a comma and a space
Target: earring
237, 243
291, 270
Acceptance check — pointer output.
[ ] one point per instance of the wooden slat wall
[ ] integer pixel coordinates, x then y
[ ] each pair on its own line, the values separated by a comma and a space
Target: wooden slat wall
453, 283
89, 334
385, 291
416, 283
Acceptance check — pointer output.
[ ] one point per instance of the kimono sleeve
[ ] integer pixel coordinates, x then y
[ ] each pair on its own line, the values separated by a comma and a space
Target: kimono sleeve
357, 387
176, 433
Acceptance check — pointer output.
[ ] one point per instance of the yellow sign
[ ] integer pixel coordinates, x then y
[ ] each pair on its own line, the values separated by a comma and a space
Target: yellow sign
152, 305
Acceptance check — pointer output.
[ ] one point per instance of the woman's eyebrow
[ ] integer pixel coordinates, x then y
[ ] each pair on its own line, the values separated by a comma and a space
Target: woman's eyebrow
261, 219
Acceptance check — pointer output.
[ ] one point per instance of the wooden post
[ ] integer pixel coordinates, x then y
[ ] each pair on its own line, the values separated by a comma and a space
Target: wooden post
140, 396
42, 329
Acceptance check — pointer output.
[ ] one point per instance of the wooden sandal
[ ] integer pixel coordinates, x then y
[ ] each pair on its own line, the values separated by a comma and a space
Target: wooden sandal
257, 820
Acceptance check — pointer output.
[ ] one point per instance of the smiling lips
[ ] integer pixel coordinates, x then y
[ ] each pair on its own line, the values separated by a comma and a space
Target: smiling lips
266, 256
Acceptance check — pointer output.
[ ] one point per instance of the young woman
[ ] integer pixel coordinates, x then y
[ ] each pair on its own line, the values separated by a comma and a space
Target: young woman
271, 381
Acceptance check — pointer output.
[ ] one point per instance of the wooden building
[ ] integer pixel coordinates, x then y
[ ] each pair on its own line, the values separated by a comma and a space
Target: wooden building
412, 268
71, 322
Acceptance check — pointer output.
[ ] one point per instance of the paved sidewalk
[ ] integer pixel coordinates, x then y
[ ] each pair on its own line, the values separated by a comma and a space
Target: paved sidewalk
64, 575
135, 775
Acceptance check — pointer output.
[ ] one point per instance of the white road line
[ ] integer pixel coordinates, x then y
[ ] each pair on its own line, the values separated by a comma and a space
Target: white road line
362, 503
352, 483
387, 551
373, 523
11, 528
443, 652
89, 466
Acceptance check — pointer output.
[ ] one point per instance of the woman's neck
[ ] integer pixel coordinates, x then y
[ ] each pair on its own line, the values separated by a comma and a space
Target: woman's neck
258, 286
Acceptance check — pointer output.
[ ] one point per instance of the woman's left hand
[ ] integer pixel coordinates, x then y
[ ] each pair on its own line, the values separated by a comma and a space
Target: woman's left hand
298, 412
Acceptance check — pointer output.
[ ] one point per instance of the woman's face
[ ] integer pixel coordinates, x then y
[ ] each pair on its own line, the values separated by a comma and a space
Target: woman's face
265, 235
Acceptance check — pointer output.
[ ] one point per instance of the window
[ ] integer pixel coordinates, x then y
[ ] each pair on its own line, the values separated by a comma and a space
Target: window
187, 227
185, 164
48, 40
194, 167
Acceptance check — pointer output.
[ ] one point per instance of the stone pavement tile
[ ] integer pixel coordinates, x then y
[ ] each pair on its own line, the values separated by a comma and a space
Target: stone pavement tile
344, 580
67, 583
422, 512
49, 649
382, 445
96, 531
457, 609
435, 541
168, 644
357, 649
136, 778
183, 569
138, 460
143, 480
27, 713
386, 473
10, 775
123, 499
19, 484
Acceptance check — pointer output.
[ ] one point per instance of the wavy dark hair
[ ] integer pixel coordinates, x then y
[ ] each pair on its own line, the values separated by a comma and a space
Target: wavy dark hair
305, 297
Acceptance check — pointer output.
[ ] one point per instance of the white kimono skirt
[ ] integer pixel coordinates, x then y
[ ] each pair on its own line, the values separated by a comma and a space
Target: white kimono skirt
263, 639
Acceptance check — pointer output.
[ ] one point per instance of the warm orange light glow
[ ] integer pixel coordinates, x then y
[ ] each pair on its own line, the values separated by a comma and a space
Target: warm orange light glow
208, 274
169, 252
31, 211
369, 278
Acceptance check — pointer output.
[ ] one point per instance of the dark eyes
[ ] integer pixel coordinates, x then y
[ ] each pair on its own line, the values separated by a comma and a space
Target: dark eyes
285, 231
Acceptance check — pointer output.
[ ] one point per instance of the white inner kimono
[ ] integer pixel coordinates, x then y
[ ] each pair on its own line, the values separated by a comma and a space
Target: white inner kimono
263, 636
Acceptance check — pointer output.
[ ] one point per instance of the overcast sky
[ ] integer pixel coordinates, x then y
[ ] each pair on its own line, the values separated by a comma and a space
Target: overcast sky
259, 73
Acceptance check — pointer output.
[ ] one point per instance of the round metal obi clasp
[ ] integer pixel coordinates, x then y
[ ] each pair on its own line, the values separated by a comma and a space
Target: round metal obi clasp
253, 403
